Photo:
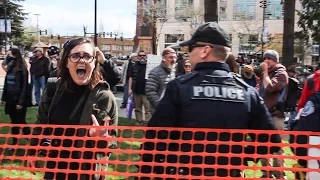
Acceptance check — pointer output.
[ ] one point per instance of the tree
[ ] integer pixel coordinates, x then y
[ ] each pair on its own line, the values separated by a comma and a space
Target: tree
155, 14
211, 10
195, 17
16, 14
247, 31
288, 32
309, 21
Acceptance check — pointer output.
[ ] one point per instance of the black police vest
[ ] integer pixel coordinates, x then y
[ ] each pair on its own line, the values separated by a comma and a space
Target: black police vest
214, 101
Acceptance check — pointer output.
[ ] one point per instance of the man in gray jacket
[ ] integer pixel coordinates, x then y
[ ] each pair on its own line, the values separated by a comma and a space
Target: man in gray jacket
160, 76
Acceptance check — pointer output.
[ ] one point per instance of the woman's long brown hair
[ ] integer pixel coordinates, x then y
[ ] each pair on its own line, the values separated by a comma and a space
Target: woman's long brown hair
63, 71
231, 61
19, 62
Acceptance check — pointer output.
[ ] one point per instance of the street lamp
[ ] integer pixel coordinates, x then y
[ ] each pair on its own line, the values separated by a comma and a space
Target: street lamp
95, 24
263, 5
5, 26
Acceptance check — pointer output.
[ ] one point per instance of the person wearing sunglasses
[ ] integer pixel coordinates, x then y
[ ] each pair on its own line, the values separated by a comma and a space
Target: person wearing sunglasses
187, 67
208, 97
137, 88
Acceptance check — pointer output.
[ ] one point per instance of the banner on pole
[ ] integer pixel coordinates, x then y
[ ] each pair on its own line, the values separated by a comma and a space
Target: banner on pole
2, 26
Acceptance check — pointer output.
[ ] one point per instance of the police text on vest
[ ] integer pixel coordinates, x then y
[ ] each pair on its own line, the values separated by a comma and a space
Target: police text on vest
218, 93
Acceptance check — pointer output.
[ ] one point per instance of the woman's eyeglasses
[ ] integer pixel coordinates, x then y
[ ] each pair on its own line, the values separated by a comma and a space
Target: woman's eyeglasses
76, 58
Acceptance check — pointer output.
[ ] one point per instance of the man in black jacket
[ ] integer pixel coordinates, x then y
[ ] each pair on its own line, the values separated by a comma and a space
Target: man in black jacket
39, 70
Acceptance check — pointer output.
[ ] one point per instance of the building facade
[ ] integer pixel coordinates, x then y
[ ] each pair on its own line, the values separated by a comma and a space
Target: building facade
145, 29
115, 47
243, 19
183, 17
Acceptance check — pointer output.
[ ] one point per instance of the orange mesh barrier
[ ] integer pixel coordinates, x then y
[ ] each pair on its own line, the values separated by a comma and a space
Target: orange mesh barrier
199, 156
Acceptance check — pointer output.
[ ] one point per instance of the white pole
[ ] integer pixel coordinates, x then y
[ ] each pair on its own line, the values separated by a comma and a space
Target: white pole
38, 31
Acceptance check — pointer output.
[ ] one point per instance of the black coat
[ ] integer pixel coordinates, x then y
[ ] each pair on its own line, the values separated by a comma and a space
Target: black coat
21, 97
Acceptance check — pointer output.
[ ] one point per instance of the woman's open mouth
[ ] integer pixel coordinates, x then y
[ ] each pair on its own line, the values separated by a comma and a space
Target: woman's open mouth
81, 72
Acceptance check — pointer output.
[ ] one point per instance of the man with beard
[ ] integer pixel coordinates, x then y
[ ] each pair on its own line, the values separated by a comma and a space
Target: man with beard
137, 87
160, 76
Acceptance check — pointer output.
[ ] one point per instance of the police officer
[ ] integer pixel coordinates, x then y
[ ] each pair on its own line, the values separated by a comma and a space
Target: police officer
53, 53
309, 121
209, 97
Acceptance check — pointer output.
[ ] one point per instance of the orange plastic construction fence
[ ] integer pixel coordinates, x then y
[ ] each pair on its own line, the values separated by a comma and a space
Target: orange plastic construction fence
185, 153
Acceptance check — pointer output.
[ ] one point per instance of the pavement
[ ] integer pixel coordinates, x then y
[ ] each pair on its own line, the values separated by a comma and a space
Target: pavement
118, 95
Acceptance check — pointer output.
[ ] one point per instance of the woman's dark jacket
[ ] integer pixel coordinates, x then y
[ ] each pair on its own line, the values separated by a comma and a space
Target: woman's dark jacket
100, 102
19, 97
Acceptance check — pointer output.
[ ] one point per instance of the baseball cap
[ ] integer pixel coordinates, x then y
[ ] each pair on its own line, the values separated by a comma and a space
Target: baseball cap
209, 32
52, 50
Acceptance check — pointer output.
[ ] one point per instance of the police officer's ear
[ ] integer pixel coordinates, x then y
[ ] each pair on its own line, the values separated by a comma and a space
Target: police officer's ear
204, 52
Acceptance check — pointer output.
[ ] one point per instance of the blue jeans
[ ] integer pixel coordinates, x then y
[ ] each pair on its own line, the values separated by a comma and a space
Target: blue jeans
39, 84
125, 94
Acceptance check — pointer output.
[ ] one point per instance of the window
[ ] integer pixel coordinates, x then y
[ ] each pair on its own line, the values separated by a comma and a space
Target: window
244, 9
182, 7
171, 39
315, 50
274, 10
223, 10
144, 30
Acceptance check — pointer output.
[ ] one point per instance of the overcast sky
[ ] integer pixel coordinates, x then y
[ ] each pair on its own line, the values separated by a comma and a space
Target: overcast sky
67, 17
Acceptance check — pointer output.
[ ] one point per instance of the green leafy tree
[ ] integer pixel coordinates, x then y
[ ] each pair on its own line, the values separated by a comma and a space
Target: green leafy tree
16, 14
309, 21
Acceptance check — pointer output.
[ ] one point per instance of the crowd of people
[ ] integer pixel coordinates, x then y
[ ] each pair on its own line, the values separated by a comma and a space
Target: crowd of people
204, 88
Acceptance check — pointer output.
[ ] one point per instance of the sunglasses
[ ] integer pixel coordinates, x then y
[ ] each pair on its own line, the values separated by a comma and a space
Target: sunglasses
187, 66
142, 55
191, 47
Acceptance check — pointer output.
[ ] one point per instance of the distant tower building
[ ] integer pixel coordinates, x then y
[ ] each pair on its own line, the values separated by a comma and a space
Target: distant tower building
144, 29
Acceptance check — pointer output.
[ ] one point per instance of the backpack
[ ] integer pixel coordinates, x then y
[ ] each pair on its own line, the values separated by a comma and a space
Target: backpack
293, 94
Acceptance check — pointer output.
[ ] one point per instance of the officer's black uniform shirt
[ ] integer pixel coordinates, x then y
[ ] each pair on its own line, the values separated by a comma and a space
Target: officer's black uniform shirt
209, 97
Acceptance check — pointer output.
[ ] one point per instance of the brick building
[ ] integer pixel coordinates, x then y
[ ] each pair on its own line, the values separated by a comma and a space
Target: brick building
144, 31
116, 47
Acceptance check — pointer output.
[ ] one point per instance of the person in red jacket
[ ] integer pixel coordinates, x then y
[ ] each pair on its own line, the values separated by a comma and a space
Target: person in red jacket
307, 91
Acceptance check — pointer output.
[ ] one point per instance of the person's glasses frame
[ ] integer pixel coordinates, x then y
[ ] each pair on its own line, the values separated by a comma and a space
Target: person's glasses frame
77, 57
191, 47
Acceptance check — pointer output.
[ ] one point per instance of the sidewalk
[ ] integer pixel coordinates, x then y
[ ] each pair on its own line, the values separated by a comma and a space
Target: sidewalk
1, 81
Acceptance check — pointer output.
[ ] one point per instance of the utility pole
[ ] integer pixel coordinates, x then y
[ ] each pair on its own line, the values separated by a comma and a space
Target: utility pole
5, 26
264, 5
95, 24
38, 31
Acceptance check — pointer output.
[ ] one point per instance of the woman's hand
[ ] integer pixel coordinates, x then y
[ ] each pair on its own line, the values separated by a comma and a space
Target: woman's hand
101, 132
99, 56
